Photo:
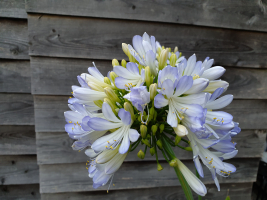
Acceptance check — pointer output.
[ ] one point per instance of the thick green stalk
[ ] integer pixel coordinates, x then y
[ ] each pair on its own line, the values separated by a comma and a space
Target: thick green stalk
184, 184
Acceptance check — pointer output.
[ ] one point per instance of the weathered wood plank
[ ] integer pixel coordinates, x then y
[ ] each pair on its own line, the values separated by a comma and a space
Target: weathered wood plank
17, 140
14, 39
18, 170
20, 192
239, 191
52, 36
13, 9
53, 148
239, 14
16, 109
49, 111
55, 76
74, 177
15, 76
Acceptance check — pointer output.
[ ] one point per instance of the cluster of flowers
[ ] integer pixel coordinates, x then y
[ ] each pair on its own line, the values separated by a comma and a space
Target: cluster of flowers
157, 99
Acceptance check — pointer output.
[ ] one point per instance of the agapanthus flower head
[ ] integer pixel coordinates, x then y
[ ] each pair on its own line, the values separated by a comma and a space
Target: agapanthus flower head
159, 99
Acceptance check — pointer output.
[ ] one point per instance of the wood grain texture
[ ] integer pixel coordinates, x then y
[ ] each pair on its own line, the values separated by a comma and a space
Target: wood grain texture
49, 111
17, 140
14, 39
18, 170
74, 177
239, 14
15, 76
58, 36
13, 9
16, 109
55, 76
237, 191
55, 148
20, 192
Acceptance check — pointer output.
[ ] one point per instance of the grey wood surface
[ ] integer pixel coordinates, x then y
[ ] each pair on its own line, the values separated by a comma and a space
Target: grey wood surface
14, 39
13, 9
237, 191
74, 177
238, 14
55, 76
18, 170
15, 76
63, 36
49, 113
16, 109
53, 148
17, 140
20, 192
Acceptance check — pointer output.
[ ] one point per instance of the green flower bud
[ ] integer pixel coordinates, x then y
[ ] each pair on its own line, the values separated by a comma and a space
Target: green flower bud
125, 49
174, 162
175, 49
128, 107
147, 75
159, 167
188, 148
173, 59
177, 140
153, 90
143, 130
139, 118
115, 62
152, 111
113, 76
95, 86
107, 81
152, 151
155, 115
148, 136
161, 128
98, 103
159, 143
123, 63
141, 154
180, 130
163, 58
154, 129
146, 142
111, 94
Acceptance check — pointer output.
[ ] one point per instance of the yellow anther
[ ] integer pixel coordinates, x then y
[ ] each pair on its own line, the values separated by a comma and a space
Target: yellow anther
71, 92
77, 122
79, 150
86, 163
86, 167
111, 147
108, 141
106, 146
213, 166
163, 88
113, 184
70, 121
70, 97
214, 118
72, 128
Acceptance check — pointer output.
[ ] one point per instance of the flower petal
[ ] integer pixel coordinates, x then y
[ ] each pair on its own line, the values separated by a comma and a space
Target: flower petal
213, 73
100, 124
183, 85
160, 101
133, 135
125, 116
108, 113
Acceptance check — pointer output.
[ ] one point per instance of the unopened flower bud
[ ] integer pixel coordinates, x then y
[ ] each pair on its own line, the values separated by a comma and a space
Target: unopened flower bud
147, 75
173, 59
143, 130
188, 148
161, 128
139, 118
96, 87
128, 107
174, 162
107, 81
98, 103
177, 139
111, 94
152, 151
175, 49
123, 63
141, 154
110, 103
148, 136
159, 167
153, 91
163, 58
115, 62
151, 111
146, 142
113, 76
125, 49
155, 115
159, 143
154, 129
180, 130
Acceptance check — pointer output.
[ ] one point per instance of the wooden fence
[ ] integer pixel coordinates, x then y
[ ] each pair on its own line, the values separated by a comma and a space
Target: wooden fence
66, 36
